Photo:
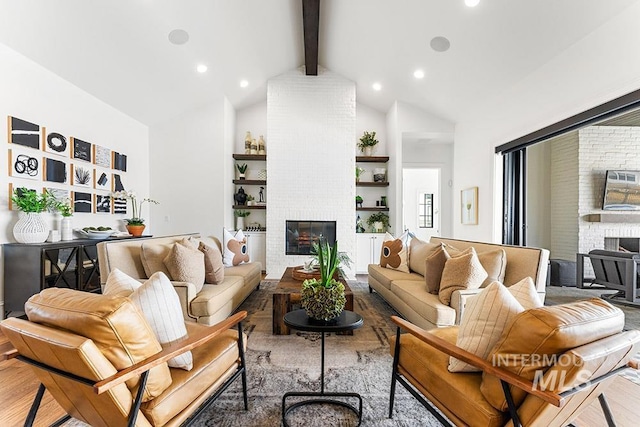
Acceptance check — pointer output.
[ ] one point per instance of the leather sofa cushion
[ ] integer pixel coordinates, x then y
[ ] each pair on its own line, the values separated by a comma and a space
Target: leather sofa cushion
152, 255
418, 253
457, 395
213, 297
428, 306
385, 275
547, 331
213, 362
114, 324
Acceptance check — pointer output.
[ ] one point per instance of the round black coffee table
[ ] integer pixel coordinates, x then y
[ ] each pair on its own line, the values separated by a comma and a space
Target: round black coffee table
299, 320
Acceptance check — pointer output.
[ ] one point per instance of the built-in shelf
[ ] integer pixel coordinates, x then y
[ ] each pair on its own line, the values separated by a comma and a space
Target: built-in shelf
259, 157
372, 184
374, 208
250, 181
249, 207
613, 216
372, 159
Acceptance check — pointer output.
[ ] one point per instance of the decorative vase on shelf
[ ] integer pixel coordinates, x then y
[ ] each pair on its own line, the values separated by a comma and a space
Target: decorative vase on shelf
261, 146
247, 143
368, 151
30, 228
136, 230
240, 223
66, 231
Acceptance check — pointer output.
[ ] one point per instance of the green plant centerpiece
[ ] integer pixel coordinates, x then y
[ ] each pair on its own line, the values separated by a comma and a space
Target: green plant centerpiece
242, 169
323, 298
367, 142
379, 222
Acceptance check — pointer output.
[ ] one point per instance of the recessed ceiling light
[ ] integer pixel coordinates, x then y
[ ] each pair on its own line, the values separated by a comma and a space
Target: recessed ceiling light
471, 3
377, 86
418, 74
440, 44
244, 83
178, 37
201, 68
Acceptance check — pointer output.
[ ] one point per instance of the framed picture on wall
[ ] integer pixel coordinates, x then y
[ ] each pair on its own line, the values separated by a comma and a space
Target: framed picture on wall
24, 133
24, 165
56, 143
81, 176
81, 150
82, 202
101, 156
469, 206
103, 203
19, 189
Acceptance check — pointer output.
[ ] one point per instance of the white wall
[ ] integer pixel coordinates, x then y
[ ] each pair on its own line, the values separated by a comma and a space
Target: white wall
539, 195
31, 92
571, 83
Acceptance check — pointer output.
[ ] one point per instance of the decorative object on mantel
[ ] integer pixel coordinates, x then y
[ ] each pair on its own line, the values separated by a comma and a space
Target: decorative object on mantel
247, 143
379, 175
135, 224
367, 142
324, 298
240, 197
469, 206
359, 172
31, 227
242, 168
240, 216
379, 222
359, 202
66, 210
261, 146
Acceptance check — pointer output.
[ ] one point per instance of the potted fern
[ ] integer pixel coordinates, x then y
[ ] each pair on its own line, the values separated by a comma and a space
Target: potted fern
367, 142
242, 168
323, 298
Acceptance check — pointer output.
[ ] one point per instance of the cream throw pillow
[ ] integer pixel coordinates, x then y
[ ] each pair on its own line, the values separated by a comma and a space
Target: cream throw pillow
525, 292
120, 284
159, 303
186, 264
213, 265
461, 272
152, 256
433, 266
495, 264
483, 321
395, 252
418, 253
235, 248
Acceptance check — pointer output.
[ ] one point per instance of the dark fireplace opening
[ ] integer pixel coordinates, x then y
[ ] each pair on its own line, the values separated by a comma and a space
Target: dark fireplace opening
629, 244
301, 235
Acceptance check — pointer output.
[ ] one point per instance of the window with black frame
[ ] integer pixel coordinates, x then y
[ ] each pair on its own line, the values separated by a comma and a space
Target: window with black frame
425, 210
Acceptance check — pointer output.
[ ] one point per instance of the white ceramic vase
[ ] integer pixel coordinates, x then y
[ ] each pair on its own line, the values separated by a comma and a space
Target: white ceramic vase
378, 226
30, 228
368, 151
240, 223
66, 232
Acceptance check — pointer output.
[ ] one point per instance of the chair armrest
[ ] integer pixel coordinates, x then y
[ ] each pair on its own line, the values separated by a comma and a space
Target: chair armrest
459, 301
170, 352
186, 293
470, 358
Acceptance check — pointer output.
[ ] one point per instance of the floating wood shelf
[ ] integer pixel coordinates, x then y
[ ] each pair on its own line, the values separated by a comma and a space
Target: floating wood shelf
374, 208
249, 207
372, 184
250, 181
250, 157
372, 159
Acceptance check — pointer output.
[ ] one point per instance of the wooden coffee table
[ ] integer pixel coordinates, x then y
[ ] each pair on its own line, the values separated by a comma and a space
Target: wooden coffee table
287, 293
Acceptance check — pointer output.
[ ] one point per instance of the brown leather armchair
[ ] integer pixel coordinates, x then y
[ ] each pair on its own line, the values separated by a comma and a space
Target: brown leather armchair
100, 361
549, 364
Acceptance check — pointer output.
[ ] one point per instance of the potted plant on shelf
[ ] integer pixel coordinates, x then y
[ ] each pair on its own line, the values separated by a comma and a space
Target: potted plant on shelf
250, 200
66, 210
135, 224
31, 227
367, 142
323, 298
359, 202
240, 216
379, 221
242, 168
359, 172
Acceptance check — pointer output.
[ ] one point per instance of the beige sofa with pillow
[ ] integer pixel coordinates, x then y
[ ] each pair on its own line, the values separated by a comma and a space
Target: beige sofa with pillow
201, 302
409, 295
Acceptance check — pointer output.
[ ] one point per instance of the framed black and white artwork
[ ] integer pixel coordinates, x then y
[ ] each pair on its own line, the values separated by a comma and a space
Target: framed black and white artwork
103, 204
82, 202
101, 156
119, 205
101, 179
56, 143
25, 165
119, 161
24, 133
116, 182
81, 176
55, 171
60, 194
19, 189
81, 149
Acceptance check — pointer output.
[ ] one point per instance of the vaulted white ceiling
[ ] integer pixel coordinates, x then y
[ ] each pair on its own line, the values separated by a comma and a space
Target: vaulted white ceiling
119, 51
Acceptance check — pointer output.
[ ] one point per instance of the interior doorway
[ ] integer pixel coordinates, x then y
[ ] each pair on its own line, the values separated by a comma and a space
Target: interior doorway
421, 195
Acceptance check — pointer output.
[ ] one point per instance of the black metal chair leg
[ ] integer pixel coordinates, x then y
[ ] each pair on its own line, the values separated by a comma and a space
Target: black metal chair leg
34, 406
396, 356
607, 411
244, 366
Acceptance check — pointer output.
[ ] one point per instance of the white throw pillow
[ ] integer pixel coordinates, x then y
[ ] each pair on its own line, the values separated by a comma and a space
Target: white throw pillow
483, 321
159, 303
235, 248
120, 284
395, 252
525, 292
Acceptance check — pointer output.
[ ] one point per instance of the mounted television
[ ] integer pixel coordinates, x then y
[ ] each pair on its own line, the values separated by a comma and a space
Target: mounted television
622, 191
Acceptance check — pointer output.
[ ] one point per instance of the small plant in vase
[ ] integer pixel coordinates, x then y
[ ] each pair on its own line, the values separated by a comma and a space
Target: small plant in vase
359, 202
323, 299
250, 200
240, 216
135, 224
31, 227
242, 169
379, 222
367, 142
359, 172
66, 210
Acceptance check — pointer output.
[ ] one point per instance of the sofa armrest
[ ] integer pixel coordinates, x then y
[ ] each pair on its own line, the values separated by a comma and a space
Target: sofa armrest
186, 293
459, 301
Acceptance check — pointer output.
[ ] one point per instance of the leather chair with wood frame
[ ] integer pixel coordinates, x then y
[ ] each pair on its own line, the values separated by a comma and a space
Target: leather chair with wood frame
100, 361
548, 365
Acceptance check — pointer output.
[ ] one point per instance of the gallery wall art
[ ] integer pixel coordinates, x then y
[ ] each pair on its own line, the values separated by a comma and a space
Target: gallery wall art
20, 189
469, 206
74, 163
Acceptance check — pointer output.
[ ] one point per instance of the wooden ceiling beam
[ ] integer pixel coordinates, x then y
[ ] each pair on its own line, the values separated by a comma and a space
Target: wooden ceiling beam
311, 25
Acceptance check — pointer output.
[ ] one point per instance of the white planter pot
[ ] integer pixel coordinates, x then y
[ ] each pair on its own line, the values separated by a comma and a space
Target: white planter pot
240, 223
66, 232
368, 151
30, 228
378, 226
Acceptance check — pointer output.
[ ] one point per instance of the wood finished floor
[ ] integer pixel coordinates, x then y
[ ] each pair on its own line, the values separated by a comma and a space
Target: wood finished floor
18, 386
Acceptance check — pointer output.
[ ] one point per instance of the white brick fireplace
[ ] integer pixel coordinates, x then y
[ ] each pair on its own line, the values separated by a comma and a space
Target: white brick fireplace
311, 123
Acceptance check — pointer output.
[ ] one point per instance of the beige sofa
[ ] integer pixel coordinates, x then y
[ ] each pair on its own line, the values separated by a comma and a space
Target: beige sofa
408, 295
212, 304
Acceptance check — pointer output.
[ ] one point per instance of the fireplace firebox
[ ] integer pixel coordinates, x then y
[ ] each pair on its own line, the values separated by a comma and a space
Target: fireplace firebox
301, 235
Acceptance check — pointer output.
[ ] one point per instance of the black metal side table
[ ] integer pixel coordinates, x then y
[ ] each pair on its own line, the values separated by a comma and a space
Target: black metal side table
299, 320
